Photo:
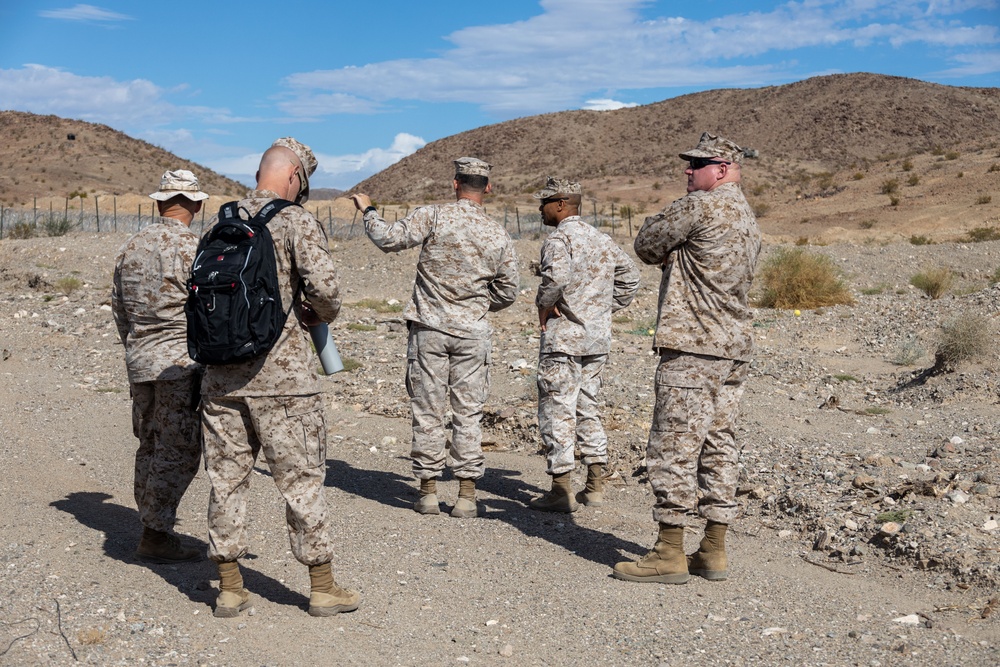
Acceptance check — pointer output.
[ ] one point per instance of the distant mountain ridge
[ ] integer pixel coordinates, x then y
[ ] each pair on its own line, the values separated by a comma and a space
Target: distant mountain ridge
52, 156
826, 122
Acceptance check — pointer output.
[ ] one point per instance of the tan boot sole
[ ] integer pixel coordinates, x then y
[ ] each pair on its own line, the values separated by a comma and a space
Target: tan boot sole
465, 509
352, 603
231, 611
711, 575
427, 505
681, 578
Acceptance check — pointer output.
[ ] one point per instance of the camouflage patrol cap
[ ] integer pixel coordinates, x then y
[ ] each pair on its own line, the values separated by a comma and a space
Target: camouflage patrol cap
712, 146
306, 159
179, 182
471, 166
558, 186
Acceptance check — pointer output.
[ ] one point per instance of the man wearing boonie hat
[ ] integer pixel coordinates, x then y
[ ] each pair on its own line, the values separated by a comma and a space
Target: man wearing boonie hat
147, 299
273, 404
707, 244
467, 268
585, 277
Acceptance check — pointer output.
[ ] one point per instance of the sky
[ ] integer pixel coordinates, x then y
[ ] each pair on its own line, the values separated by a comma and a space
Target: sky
365, 84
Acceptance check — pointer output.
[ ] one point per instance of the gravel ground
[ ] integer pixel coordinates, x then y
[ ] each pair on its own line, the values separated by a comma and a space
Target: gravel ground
870, 494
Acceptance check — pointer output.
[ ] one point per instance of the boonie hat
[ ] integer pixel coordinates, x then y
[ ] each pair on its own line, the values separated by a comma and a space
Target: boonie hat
179, 182
472, 166
558, 186
715, 147
306, 159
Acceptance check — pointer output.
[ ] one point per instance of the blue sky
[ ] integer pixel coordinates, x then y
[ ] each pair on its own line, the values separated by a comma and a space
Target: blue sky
365, 84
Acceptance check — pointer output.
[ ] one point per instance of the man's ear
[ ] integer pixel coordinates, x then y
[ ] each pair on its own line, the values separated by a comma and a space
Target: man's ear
489, 188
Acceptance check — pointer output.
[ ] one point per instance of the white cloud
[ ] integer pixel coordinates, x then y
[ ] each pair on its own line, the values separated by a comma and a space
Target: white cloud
591, 47
99, 99
605, 104
84, 13
974, 64
334, 171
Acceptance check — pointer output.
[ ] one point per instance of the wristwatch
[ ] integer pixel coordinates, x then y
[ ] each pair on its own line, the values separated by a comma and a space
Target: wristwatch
370, 208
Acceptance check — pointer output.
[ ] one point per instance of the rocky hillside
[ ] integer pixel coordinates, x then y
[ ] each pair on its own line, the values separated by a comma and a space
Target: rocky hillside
43, 156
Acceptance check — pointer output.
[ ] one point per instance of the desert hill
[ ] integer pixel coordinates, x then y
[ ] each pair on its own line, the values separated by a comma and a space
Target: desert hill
825, 123
38, 159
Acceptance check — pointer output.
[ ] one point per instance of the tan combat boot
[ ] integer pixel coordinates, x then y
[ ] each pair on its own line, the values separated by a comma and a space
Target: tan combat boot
326, 598
593, 494
428, 501
665, 564
709, 561
559, 499
233, 598
159, 547
465, 504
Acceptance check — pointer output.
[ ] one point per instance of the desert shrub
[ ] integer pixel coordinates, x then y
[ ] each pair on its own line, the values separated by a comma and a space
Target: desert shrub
907, 165
21, 230
350, 365
68, 285
933, 282
877, 289
951, 155
760, 209
912, 180
993, 167
960, 174
802, 240
908, 353
796, 278
379, 305
965, 338
359, 326
995, 278
845, 377
984, 199
919, 239
868, 223
857, 176
875, 410
644, 328
58, 226
980, 234
937, 150
893, 200
889, 186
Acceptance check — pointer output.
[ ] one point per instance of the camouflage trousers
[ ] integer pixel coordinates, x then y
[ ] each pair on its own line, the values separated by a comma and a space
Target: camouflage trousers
169, 448
568, 411
692, 447
291, 433
439, 365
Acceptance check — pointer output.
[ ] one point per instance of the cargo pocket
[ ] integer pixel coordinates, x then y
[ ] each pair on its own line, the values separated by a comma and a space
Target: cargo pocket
307, 411
677, 396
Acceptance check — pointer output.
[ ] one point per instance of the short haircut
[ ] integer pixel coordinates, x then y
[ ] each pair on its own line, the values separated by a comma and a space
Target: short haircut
472, 182
574, 200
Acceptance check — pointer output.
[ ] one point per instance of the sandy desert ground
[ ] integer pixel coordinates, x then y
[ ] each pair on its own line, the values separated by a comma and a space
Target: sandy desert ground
840, 441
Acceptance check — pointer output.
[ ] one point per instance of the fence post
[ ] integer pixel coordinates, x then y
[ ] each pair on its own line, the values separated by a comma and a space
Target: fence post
50, 213
350, 233
612, 218
34, 213
66, 212
138, 225
97, 213
80, 224
114, 201
594, 202
1, 221
630, 223
517, 215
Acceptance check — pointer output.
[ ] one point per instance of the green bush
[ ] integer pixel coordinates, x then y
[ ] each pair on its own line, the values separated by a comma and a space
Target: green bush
68, 285
795, 278
933, 282
58, 226
21, 230
980, 234
984, 199
378, 305
918, 239
889, 186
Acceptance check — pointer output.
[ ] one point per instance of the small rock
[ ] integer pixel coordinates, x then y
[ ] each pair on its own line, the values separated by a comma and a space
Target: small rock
909, 619
888, 529
388, 441
990, 525
863, 481
957, 496
507, 650
850, 524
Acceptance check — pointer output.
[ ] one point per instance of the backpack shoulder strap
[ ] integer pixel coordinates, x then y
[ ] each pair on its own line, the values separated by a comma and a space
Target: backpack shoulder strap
271, 209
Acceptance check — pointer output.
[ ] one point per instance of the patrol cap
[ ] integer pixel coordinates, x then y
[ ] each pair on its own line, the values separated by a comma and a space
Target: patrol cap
306, 159
558, 186
715, 147
472, 166
179, 182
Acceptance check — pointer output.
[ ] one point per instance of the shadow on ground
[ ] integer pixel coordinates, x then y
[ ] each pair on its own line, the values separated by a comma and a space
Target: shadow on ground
121, 528
509, 505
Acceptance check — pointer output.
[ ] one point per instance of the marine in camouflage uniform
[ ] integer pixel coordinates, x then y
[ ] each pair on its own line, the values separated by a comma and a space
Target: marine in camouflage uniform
273, 404
147, 301
467, 268
585, 277
707, 244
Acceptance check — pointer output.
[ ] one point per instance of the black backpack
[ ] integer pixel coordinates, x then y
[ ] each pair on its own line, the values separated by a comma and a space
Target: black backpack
233, 309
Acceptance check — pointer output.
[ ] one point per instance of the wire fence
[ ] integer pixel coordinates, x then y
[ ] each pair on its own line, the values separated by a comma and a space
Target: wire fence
106, 217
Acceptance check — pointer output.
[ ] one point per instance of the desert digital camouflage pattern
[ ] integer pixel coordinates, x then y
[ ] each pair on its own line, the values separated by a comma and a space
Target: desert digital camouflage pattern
273, 404
588, 277
303, 257
707, 243
568, 411
692, 441
467, 265
438, 364
290, 431
147, 301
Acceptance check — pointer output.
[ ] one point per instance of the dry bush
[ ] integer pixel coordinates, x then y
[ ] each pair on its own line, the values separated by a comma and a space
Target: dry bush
933, 282
980, 234
91, 636
21, 230
889, 186
68, 284
965, 338
798, 279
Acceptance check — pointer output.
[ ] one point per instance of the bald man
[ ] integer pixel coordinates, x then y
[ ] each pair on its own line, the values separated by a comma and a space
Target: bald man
273, 403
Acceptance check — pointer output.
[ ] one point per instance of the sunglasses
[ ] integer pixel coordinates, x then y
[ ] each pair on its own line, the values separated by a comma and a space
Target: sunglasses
696, 163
